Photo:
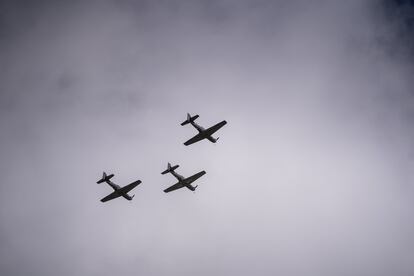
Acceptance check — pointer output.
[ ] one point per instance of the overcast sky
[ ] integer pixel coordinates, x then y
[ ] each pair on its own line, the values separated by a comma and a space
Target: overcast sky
312, 175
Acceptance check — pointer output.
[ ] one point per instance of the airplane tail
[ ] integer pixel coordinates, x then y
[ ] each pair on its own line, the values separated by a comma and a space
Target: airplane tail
170, 169
189, 119
105, 178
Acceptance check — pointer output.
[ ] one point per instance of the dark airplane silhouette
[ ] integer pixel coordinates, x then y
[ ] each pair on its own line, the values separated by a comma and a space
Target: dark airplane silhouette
182, 182
203, 133
118, 191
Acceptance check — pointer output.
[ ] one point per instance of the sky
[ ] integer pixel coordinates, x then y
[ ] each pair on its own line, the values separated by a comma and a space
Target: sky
311, 176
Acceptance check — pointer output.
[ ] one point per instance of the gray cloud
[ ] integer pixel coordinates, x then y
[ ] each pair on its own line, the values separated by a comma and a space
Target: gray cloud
312, 175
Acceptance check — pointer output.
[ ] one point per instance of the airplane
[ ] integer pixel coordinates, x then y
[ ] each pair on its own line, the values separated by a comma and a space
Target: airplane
118, 190
202, 133
182, 181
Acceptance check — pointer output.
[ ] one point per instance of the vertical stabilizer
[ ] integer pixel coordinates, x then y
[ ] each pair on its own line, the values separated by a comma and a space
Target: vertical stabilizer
170, 169
105, 178
189, 119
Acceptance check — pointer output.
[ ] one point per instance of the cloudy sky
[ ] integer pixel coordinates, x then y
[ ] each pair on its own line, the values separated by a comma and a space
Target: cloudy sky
312, 175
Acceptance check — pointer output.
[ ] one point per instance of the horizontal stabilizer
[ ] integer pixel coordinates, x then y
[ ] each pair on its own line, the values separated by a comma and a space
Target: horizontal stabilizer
170, 169
105, 178
189, 119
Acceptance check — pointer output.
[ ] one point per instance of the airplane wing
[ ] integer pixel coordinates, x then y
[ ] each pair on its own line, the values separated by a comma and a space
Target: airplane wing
129, 187
196, 138
174, 187
193, 178
216, 127
111, 196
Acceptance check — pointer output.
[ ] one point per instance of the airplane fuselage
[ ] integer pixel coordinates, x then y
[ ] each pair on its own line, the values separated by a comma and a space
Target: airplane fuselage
198, 127
178, 176
182, 181
113, 185
116, 189
205, 134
